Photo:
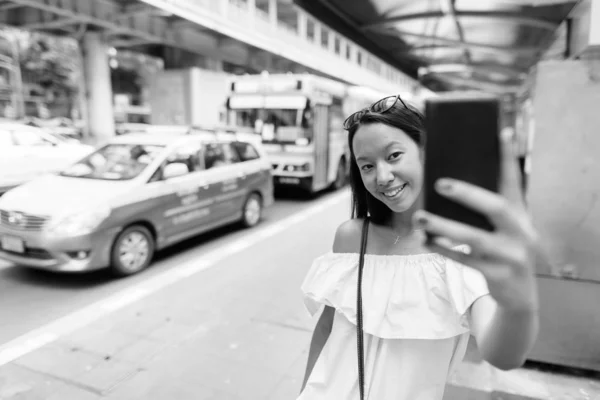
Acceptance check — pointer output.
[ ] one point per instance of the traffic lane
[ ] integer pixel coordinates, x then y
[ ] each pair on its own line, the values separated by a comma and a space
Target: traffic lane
31, 298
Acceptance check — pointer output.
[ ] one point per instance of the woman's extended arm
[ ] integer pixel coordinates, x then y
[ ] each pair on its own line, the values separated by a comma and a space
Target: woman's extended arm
319, 338
506, 323
504, 337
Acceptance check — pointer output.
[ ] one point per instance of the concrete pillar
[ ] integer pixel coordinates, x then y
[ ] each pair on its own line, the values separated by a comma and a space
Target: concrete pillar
562, 196
99, 91
273, 12
302, 24
82, 97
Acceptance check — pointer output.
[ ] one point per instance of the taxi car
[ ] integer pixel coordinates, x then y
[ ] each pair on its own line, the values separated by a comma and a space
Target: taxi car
27, 152
133, 196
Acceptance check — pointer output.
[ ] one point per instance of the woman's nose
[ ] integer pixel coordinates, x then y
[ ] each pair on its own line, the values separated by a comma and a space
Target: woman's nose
384, 175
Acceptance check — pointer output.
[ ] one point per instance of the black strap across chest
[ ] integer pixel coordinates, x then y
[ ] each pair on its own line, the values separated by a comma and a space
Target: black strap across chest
359, 314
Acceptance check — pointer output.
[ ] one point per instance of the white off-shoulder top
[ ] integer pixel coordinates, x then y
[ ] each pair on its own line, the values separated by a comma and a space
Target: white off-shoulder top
415, 318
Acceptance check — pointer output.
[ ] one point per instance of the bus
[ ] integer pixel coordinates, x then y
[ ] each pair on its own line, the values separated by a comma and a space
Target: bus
300, 120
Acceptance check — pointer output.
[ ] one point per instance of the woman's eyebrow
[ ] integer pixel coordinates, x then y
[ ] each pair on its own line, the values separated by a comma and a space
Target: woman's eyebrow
391, 144
394, 143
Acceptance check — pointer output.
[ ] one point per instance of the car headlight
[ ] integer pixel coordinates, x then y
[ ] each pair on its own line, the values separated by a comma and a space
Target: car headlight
81, 223
297, 168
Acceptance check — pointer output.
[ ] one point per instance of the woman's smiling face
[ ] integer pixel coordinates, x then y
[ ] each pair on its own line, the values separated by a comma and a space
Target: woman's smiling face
390, 165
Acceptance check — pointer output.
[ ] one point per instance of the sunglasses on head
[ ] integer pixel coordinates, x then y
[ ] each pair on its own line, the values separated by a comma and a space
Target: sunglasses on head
379, 107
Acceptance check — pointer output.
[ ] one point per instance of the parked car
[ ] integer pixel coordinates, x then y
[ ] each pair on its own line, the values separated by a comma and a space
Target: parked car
27, 152
59, 125
131, 197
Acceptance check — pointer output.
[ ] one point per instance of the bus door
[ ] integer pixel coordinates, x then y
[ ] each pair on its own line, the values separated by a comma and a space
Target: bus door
321, 145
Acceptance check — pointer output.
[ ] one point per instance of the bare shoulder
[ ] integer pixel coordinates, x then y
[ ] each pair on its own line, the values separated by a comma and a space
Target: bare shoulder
347, 237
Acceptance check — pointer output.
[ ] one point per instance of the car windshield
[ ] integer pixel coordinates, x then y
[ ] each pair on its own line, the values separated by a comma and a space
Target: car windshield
115, 162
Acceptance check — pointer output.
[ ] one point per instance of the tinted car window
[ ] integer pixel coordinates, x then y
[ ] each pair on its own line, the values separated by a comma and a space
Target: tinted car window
219, 154
246, 151
188, 155
231, 155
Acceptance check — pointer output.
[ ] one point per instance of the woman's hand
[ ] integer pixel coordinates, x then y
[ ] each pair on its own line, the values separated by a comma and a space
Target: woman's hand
506, 257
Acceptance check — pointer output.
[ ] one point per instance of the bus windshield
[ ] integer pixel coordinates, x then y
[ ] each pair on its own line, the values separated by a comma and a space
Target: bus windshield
274, 125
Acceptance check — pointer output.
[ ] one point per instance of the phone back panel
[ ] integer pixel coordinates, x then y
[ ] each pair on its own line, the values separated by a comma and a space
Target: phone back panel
462, 143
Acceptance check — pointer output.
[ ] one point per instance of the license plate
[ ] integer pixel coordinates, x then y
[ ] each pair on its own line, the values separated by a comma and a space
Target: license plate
14, 244
292, 181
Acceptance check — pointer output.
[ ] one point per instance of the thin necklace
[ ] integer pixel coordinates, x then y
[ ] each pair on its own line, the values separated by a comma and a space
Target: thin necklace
398, 237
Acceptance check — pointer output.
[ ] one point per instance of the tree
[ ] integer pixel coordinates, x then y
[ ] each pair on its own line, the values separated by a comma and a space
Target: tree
52, 64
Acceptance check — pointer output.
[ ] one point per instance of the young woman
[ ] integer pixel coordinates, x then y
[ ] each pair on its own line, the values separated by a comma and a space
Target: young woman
421, 301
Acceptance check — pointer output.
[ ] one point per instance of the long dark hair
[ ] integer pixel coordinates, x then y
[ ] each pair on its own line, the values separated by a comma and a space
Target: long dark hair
410, 121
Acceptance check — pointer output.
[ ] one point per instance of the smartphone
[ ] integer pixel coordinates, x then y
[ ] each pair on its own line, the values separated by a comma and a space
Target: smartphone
462, 143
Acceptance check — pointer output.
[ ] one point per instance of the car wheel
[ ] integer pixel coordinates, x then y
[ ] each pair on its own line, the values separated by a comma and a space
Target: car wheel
340, 177
132, 251
252, 211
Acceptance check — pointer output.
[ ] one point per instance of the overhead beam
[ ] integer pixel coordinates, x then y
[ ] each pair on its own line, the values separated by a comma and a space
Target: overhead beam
516, 17
481, 67
474, 84
55, 24
416, 50
9, 6
135, 11
120, 43
525, 51
449, 10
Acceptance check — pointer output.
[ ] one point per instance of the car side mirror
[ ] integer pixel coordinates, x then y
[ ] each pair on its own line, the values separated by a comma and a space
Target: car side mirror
174, 170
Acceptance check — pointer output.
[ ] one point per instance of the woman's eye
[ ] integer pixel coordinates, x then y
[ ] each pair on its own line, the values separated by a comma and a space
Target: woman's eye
365, 167
395, 155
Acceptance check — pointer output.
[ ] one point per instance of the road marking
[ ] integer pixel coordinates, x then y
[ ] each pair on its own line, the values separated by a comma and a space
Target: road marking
52, 331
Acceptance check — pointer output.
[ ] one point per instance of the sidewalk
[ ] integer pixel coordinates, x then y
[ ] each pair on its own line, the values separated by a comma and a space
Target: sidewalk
235, 331
192, 340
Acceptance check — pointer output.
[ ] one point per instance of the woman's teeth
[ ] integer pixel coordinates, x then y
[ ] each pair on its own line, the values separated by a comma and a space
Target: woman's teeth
394, 192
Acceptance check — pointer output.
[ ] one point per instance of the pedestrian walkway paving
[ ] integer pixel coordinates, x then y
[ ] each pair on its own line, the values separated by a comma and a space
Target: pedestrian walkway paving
236, 331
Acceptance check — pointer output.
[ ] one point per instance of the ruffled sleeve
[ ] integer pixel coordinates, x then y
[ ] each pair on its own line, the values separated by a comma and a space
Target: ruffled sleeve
423, 296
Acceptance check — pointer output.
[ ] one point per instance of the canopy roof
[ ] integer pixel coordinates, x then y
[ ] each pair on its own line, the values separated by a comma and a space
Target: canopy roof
450, 44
